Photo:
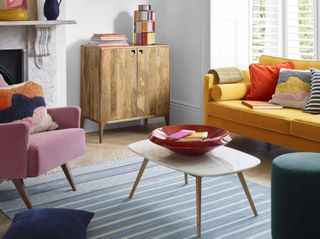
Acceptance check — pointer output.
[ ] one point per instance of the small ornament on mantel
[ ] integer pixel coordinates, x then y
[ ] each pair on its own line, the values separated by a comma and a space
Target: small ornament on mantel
51, 9
144, 26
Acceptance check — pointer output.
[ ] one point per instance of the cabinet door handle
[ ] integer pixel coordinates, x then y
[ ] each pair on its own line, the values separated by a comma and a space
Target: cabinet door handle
140, 52
133, 52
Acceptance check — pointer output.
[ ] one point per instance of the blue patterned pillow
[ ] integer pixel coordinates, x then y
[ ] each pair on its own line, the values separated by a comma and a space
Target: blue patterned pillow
49, 223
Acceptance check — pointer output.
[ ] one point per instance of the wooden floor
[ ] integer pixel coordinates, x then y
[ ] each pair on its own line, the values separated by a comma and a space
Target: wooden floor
114, 147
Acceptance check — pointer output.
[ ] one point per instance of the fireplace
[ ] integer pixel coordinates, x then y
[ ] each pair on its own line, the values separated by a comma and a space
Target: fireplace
36, 51
12, 66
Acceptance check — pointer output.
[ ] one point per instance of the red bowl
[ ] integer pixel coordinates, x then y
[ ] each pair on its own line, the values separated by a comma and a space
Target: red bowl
216, 137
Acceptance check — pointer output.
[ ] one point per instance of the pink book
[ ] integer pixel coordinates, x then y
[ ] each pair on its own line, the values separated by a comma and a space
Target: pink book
180, 134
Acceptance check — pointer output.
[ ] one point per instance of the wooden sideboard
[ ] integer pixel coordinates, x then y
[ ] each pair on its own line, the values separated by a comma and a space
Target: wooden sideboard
124, 83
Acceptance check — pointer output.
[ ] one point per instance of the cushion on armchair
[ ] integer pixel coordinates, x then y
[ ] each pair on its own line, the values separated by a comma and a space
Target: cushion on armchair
25, 102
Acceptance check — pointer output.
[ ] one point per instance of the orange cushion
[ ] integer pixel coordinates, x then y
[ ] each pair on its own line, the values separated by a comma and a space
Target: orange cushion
264, 80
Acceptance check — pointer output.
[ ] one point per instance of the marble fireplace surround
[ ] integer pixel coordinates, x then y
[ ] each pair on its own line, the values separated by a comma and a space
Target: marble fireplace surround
37, 40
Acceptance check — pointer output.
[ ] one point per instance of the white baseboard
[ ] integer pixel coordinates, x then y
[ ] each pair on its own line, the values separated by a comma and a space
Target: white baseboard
184, 113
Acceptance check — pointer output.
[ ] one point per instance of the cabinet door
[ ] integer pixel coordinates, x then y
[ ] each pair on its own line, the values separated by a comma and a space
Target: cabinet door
153, 81
119, 83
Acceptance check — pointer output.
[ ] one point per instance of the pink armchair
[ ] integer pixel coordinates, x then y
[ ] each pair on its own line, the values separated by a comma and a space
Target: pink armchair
24, 155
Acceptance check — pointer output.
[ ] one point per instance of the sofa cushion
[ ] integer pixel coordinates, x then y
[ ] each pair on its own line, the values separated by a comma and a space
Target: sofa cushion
307, 126
51, 149
313, 105
264, 80
277, 120
293, 88
232, 91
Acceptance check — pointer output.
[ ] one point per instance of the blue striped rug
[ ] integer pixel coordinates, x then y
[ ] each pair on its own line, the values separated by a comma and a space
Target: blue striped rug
162, 207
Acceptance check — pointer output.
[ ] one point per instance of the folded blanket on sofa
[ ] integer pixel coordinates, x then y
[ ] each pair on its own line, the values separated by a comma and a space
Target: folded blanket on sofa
226, 75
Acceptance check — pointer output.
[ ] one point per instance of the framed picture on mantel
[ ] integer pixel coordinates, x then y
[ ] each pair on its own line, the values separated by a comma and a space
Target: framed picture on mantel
16, 4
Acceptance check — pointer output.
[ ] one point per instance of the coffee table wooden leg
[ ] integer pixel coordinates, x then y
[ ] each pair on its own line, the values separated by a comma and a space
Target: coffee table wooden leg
186, 178
246, 190
143, 166
198, 202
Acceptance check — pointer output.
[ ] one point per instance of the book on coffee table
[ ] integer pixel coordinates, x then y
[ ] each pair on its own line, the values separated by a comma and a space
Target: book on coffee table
253, 104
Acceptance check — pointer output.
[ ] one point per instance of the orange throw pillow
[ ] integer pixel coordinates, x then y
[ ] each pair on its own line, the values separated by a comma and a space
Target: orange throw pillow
263, 79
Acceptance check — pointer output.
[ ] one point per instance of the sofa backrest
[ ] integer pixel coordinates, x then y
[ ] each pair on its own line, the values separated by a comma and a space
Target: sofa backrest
298, 64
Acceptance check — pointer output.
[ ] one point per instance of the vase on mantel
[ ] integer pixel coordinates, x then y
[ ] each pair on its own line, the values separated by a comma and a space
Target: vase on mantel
51, 9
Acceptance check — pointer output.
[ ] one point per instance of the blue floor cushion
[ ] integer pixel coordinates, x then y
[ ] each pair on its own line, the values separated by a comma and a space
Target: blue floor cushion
49, 223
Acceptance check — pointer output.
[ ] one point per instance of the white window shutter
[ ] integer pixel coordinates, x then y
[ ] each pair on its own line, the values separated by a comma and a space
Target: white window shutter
301, 42
265, 30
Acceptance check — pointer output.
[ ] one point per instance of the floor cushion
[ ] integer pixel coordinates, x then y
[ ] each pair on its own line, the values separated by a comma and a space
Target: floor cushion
49, 223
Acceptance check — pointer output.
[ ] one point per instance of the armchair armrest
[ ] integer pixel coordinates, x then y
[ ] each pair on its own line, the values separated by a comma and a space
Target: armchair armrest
66, 117
14, 145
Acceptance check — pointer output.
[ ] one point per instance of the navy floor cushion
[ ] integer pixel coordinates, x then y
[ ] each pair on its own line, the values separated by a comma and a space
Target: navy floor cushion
49, 223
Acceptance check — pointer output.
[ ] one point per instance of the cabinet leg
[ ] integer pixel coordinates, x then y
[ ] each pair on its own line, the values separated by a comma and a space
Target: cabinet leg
101, 129
145, 122
167, 119
82, 121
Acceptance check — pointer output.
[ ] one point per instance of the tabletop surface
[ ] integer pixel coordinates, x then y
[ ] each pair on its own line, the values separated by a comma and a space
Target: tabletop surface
220, 161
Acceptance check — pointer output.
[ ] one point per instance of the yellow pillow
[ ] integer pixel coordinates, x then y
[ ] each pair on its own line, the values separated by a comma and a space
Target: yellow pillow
233, 91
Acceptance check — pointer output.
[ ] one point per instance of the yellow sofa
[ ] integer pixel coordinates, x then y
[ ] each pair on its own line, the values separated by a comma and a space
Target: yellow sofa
287, 127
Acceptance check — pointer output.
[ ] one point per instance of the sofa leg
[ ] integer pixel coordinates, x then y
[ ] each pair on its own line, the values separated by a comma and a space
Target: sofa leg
66, 171
21, 188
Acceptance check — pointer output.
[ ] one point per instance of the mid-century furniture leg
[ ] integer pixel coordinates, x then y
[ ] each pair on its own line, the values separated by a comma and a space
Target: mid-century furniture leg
167, 119
67, 172
246, 190
101, 129
198, 202
185, 178
82, 122
143, 166
21, 188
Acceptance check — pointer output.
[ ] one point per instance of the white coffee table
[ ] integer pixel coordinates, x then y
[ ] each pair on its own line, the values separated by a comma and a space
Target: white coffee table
220, 161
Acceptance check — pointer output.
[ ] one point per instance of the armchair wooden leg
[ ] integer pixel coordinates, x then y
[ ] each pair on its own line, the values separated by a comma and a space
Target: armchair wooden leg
66, 171
21, 188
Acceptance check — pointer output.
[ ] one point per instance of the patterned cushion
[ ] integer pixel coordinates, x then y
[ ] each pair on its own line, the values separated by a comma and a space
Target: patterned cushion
293, 88
25, 103
313, 105
226, 75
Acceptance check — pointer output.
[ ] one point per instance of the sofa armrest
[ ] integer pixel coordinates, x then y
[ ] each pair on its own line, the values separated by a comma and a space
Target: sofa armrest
232, 91
66, 117
14, 145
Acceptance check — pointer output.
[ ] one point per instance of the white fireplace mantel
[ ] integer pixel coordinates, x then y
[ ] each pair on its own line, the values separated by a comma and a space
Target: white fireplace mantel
36, 23
38, 41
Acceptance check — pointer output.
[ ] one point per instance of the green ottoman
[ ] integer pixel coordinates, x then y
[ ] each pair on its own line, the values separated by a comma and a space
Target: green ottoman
295, 196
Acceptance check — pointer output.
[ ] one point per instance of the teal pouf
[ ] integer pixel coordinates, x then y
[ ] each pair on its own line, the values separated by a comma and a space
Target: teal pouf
295, 196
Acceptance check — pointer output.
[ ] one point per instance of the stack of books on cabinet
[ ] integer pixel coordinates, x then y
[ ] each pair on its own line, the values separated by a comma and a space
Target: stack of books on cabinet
108, 40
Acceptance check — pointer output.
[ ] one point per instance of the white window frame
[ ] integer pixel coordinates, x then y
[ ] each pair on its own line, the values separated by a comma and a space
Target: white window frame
283, 30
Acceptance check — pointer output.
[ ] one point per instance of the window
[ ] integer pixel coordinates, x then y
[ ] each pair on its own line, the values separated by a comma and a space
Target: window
284, 28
